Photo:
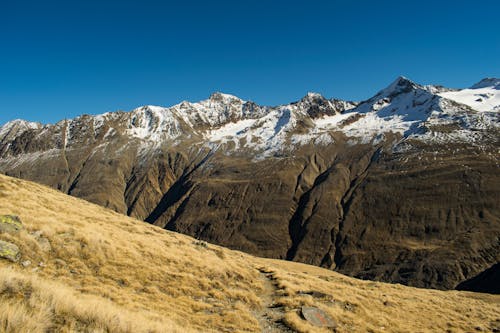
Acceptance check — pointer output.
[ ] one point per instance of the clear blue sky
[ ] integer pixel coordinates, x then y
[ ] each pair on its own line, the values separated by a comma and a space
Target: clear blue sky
59, 59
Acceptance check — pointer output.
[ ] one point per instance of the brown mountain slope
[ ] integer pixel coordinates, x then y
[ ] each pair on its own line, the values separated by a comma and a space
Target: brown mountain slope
102, 271
427, 217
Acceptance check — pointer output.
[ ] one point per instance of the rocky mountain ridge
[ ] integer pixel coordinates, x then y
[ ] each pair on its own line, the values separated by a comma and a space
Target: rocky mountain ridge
402, 187
403, 107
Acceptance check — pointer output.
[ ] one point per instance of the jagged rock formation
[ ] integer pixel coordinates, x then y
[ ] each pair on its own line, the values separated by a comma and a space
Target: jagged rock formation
402, 187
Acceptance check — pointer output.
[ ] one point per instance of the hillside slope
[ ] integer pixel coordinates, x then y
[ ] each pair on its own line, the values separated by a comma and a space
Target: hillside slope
86, 268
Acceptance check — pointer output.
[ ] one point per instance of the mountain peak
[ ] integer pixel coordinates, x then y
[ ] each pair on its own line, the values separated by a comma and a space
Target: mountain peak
403, 82
398, 86
221, 97
20, 123
311, 94
487, 82
311, 97
16, 127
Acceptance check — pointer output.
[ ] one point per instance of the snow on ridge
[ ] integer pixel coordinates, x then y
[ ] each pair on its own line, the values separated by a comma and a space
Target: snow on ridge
266, 133
21, 122
230, 132
19, 125
480, 98
153, 123
224, 120
224, 97
408, 108
311, 95
328, 122
404, 107
400, 108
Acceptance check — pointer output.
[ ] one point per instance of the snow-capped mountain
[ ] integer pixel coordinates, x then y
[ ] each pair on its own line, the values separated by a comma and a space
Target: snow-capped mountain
223, 120
401, 187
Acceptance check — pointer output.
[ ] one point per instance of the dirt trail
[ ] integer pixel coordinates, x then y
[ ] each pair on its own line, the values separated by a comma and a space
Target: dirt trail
270, 316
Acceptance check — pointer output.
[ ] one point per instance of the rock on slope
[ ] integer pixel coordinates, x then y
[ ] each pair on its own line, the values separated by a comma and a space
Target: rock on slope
109, 273
402, 187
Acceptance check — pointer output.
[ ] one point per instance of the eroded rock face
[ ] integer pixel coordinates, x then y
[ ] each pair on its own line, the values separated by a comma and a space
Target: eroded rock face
403, 187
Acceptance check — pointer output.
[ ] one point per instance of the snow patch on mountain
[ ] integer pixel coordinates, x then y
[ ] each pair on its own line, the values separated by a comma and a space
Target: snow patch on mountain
329, 122
372, 124
479, 98
231, 132
153, 123
267, 133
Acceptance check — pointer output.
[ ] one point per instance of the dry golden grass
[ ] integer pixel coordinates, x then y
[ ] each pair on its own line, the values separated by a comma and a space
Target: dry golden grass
30, 304
105, 272
367, 306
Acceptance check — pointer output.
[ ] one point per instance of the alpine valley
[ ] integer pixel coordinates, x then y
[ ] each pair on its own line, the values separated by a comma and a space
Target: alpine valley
403, 187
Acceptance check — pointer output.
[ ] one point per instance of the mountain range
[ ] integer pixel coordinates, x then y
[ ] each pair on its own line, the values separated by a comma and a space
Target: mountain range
403, 187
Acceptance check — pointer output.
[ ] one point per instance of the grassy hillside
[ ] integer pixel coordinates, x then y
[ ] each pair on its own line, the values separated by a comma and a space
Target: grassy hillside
85, 268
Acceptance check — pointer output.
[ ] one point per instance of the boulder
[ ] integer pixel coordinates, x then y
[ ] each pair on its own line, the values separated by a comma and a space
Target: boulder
317, 317
43, 242
10, 223
9, 251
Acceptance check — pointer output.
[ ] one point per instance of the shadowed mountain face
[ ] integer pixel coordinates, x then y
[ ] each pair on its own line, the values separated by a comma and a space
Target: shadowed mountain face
486, 281
403, 187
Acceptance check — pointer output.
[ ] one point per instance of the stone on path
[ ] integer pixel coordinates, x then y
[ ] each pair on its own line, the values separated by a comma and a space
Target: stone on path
317, 317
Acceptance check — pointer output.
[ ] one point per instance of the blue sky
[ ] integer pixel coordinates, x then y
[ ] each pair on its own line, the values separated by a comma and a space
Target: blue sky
59, 59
